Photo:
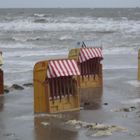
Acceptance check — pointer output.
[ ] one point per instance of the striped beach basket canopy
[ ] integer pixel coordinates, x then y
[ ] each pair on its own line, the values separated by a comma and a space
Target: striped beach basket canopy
89, 53
89, 49
60, 68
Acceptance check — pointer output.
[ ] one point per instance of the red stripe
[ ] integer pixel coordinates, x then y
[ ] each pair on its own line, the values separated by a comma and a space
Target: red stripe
65, 67
87, 55
101, 52
53, 70
70, 68
82, 53
74, 68
87, 52
61, 67
97, 52
94, 52
54, 62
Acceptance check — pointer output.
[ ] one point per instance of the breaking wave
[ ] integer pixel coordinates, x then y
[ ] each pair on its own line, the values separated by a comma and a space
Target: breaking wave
24, 39
101, 25
65, 37
116, 67
39, 15
40, 20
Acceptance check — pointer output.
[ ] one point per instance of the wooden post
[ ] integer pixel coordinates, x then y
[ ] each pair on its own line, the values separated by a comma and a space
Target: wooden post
139, 65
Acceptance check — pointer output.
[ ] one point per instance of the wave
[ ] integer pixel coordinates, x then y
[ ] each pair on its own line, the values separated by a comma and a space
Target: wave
40, 21
65, 37
134, 83
17, 46
39, 15
25, 39
95, 25
120, 50
118, 67
32, 53
132, 101
16, 71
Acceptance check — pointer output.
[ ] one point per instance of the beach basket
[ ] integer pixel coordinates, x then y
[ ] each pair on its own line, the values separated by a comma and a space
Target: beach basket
88, 55
56, 86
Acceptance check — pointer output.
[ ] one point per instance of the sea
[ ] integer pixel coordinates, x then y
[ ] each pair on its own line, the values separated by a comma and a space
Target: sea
31, 35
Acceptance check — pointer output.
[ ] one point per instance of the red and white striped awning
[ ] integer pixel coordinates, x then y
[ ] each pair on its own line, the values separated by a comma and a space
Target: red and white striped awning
89, 53
58, 68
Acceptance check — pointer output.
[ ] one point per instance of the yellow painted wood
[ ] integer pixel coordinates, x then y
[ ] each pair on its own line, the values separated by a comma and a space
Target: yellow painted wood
74, 53
40, 72
139, 65
42, 104
87, 82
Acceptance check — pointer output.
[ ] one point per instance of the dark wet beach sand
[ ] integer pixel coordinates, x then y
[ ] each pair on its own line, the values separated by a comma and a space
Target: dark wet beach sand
18, 122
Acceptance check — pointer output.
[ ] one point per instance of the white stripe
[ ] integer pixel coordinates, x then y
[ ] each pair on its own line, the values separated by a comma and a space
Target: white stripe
51, 71
82, 57
76, 67
65, 62
72, 68
54, 68
88, 52
93, 49
58, 67
86, 55
97, 50
101, 52
64, 69
93, 55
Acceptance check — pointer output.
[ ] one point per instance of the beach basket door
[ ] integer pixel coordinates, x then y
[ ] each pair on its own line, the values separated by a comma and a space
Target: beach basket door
63, 85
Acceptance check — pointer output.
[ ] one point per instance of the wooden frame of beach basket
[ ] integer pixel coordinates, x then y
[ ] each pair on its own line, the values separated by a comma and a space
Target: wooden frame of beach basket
88, 59
56, 89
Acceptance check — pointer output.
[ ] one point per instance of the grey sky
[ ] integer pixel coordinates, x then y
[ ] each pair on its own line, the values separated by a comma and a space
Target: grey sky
68, 3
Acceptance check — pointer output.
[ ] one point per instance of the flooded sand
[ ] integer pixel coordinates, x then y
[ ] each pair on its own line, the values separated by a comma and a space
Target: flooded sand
18, 122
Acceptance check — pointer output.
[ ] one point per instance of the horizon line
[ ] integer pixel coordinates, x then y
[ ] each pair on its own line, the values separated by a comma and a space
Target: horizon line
67, 7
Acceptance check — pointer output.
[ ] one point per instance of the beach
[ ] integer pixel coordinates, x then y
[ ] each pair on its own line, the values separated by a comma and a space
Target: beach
28, 36
17, 119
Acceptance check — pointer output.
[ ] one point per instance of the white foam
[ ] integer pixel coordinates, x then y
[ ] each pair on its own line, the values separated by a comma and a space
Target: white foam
39, 15
16, 45
134, 83
25, 38
65, 37
24, 118
120, 50
33, 53
133, 101
118, 67
75, 24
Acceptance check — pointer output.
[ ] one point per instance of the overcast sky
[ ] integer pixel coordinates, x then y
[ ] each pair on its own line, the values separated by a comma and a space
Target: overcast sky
68, 3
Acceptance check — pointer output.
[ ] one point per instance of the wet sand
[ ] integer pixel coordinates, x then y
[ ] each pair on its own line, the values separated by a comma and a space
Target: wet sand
120, 89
